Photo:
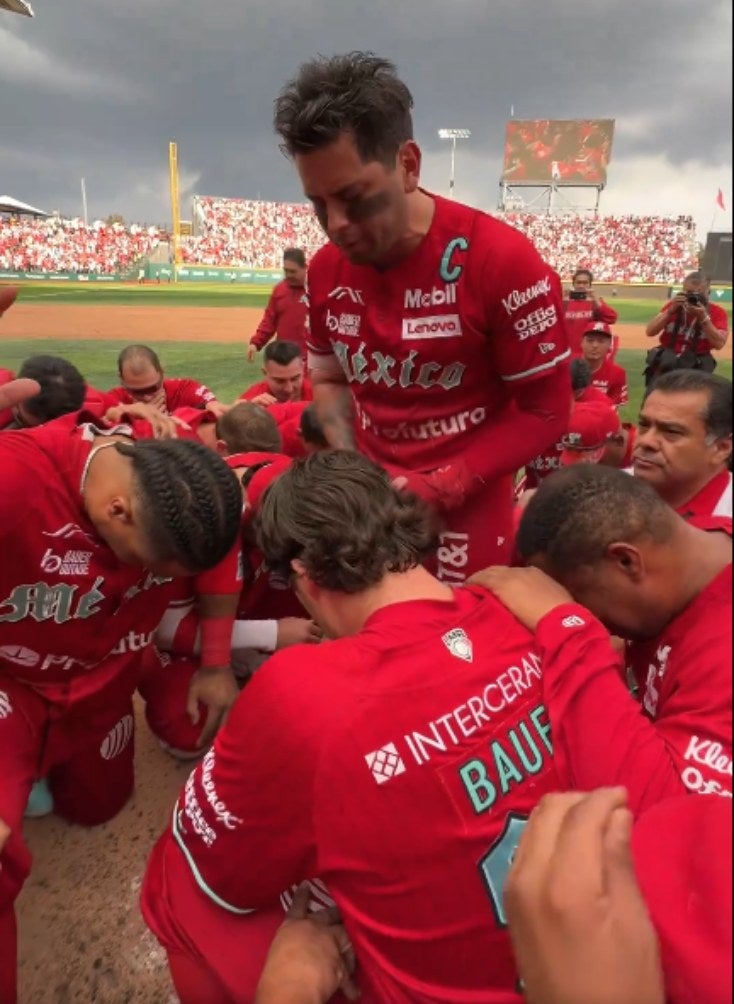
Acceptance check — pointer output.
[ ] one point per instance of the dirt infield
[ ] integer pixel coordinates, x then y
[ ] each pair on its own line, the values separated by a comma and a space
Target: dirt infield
180, 324
161, 324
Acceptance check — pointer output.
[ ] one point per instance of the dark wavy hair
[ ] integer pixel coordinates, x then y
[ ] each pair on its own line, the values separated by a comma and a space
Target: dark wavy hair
357, 93
338, 513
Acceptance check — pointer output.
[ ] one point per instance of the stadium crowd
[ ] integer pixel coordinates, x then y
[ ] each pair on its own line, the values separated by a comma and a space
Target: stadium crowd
69, 245
616, 248
476, 739
249, 233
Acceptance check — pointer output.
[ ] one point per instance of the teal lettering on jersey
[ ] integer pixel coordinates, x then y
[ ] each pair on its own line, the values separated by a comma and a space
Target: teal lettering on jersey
42, 602
447, 271
512, 759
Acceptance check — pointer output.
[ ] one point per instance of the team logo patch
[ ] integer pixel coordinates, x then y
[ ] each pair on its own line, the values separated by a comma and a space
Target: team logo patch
385, 763
117, 738
458, 644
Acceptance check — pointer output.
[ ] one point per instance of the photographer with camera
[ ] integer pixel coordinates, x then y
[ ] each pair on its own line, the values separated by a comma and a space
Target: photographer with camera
690, 327
582, 310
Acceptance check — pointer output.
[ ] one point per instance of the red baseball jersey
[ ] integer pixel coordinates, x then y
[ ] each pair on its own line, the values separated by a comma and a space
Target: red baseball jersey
398, 765
683, 741
288, 417
612, 380
261, 387
432, 347
580, 315
285, 317
180, 393
70, 613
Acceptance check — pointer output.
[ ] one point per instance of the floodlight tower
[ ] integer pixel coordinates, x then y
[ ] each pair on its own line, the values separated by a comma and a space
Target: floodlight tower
453, 135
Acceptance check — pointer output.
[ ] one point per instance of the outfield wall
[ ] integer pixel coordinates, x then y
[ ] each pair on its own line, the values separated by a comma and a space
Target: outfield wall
215, 274
12, 275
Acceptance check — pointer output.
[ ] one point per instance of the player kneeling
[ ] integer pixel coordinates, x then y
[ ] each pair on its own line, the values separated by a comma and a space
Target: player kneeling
399, 762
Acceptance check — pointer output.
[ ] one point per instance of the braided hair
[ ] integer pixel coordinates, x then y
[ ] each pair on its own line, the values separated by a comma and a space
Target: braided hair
189, 501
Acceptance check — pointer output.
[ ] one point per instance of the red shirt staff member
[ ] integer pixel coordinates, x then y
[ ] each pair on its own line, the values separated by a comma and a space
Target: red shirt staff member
286, 314
582, 309
684, 442
436, 342
614, 546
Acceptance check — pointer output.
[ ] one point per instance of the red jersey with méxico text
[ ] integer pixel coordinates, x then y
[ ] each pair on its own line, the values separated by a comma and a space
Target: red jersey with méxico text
399, 766
714, 499
285, 317
178, 392
432, 347
70, 614
580, 315
682, 331
611, 379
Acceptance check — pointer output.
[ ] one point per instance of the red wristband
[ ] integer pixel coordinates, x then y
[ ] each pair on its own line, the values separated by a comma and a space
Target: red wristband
216, 640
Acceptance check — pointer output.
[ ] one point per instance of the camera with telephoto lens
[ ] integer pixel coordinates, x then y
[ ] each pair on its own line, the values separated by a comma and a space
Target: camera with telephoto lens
696, 299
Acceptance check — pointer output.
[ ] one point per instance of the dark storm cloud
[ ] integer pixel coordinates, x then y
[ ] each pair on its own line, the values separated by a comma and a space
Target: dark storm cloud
97, 90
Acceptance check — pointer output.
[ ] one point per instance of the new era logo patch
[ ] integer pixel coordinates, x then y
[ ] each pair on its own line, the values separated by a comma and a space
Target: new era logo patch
385, 763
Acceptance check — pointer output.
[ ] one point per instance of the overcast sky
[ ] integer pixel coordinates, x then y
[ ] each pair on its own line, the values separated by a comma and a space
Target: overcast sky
97, 88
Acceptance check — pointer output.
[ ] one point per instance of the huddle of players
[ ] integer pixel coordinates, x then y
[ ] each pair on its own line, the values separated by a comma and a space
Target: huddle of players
396, 766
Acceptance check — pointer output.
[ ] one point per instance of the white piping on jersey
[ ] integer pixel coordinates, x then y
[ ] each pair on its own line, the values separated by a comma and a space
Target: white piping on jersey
197, 874
538, 369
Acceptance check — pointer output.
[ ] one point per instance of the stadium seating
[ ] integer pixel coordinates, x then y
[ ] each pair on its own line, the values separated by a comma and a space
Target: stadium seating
253, 234
59, 245
614, 248
248, 233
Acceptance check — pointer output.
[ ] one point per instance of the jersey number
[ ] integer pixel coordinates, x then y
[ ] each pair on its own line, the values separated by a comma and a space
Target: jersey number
497, 862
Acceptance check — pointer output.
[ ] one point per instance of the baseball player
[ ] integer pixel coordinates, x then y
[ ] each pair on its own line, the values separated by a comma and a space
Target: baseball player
436, 340
415, 738
94, 527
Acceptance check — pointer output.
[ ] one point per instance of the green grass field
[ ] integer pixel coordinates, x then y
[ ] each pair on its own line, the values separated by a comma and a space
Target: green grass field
223, 367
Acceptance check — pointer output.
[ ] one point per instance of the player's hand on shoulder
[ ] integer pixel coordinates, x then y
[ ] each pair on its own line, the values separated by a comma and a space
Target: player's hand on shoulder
163, 426
527, 593
578, 923
264, 400
310, 959
217, 408
297, 631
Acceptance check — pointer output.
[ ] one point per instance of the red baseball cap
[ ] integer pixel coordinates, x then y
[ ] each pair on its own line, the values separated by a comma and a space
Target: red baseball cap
591, 425
600, 329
